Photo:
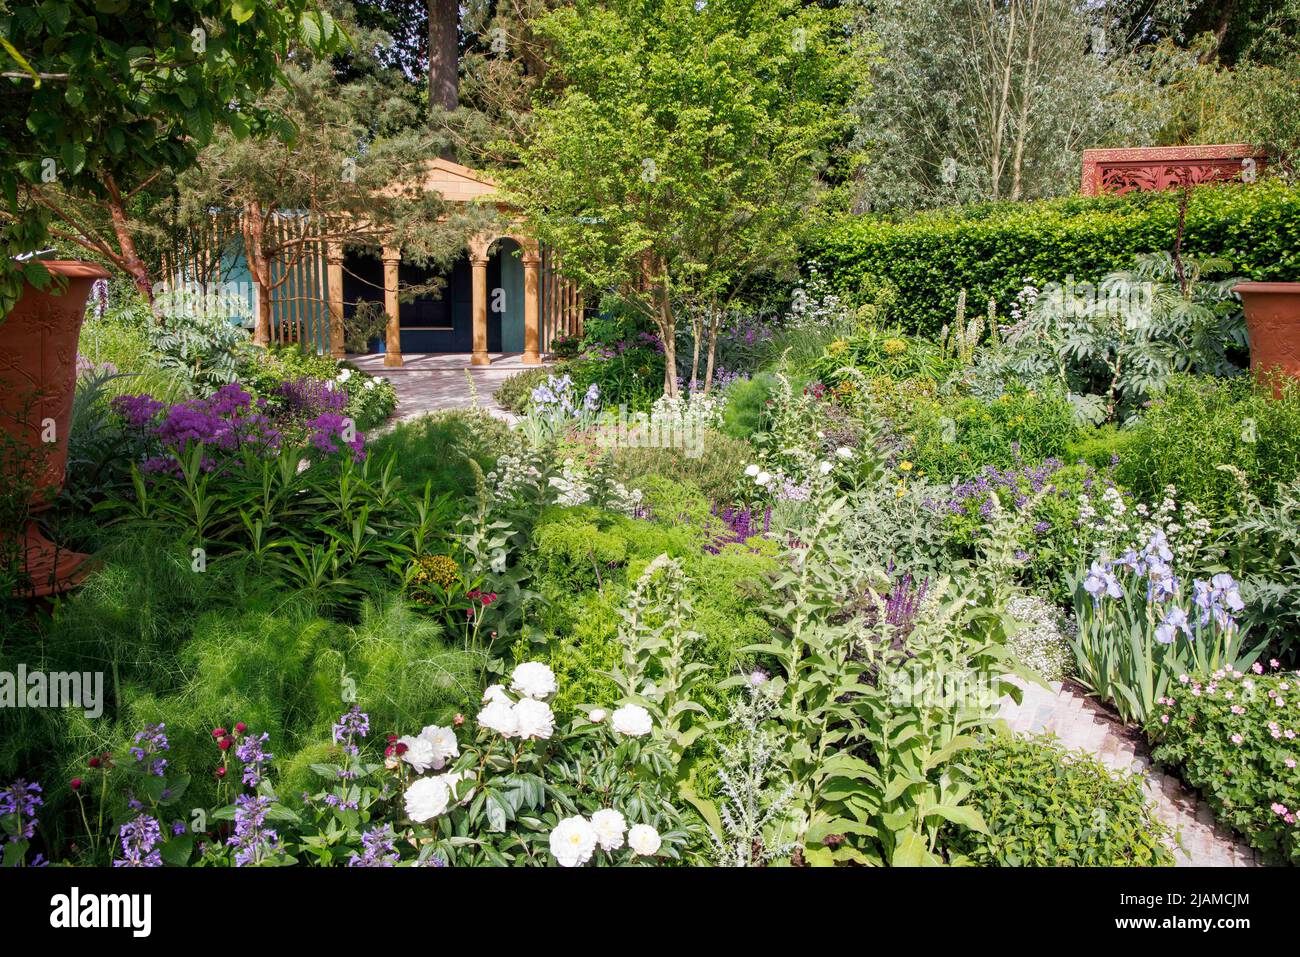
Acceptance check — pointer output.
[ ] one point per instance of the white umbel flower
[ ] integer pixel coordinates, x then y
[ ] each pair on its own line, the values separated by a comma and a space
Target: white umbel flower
751, 470
534, 719
610, 826
844, 452
632, 720
500, 717
426, 798
573, 841
532, 679
644, 840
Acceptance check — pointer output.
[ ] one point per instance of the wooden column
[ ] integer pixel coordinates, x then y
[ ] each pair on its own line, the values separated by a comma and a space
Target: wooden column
532, 276
393, 332
334, 287
478, 261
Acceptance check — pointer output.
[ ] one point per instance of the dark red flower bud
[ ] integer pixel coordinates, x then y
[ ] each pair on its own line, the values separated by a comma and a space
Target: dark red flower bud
240, 727
93, 762
392, 738
221, 772
224, 744
219, 732
76, 784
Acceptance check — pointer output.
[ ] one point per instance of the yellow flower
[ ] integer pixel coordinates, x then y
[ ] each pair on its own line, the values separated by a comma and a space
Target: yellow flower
836, 347
899, 492
894, 347
905, 465
436, 569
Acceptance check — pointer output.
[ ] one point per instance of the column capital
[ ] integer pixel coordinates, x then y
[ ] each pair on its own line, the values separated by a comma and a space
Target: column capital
391, 254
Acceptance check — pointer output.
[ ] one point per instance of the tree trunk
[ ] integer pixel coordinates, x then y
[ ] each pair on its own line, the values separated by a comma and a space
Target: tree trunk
130, 259
713, 348
444, 54
255, 253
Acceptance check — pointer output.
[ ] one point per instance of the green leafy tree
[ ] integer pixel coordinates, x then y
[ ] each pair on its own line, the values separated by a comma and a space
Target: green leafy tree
101, 99
675, 147
352, 175
976, 101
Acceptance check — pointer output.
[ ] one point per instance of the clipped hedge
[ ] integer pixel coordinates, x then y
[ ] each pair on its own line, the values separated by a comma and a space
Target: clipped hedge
991, 249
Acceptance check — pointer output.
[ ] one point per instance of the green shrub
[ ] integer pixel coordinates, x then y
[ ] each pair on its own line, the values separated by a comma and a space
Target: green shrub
438, 448
121, 341
1198, 424
874, 352
1246, 762
991, 250
961, 436
516, 392
634, 378
575, 554
746, 406
715, 471
1048, 807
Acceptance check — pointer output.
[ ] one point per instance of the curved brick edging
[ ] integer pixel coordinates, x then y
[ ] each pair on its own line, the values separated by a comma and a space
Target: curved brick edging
1078, 722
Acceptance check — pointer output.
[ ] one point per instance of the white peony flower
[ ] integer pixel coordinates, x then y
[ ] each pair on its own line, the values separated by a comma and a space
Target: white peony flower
751, 470
370, 383
426, 798
573, 841
762, 478
632, 720
643, 839
496, 693
844, 452
597, 715
419, 753
534, 719
609, 825
824, 467
533, 680
500, 717
444, 744
345, 375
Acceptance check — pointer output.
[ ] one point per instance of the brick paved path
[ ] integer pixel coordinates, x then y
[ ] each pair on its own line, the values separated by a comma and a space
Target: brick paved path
430, 382
1079, 722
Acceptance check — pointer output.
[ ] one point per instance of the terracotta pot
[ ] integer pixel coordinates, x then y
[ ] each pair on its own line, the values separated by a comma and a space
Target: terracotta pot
1273, 325
38, 377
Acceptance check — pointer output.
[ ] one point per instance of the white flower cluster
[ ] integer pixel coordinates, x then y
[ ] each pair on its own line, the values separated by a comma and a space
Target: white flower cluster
690, 414
575, 839
574, 487
1040, 642
529, 717
1113, 527
513, 477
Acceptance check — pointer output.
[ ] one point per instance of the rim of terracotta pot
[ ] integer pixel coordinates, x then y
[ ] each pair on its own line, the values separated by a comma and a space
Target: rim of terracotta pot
74, 268
1267, 287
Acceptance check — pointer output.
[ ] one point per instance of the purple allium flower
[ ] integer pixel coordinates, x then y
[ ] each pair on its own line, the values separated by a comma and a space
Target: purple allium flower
139, 842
